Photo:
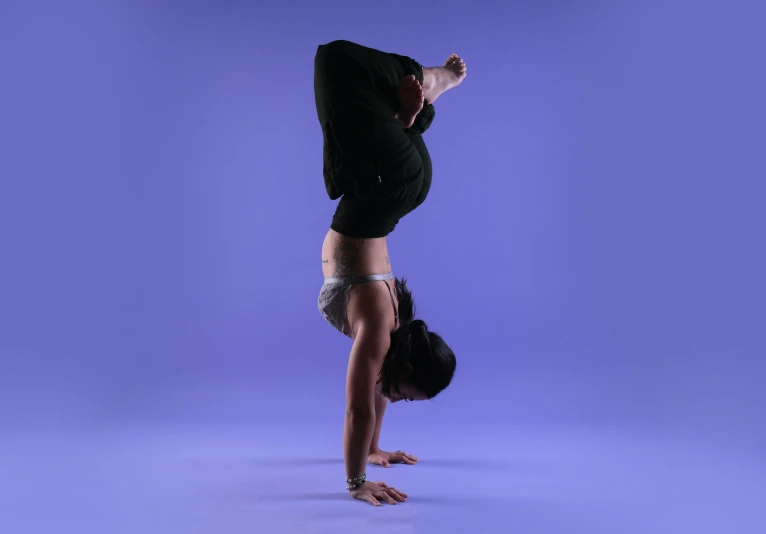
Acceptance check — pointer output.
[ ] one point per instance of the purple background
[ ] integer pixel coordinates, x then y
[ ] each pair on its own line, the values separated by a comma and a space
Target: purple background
592, 248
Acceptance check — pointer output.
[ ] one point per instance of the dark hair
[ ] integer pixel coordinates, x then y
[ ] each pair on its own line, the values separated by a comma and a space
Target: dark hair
433, 362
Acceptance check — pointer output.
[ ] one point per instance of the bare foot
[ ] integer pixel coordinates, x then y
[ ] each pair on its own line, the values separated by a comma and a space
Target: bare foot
436, 80
410, 95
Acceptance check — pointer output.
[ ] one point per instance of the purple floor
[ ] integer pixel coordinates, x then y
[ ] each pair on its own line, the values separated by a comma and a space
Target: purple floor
473, 479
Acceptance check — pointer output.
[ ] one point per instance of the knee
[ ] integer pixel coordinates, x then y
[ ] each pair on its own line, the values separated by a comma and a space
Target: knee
324, 53
338, 43
330, 61
330, 50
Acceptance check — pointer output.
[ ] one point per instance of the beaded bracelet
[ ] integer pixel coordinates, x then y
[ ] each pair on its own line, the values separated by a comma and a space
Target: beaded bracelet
355, 483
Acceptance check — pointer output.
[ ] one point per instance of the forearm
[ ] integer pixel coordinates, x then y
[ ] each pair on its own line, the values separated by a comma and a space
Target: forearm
380, 409
357, 434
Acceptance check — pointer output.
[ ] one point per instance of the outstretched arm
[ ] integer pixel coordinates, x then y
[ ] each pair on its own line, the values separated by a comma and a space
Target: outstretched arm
363, 367
380, 409
360, 407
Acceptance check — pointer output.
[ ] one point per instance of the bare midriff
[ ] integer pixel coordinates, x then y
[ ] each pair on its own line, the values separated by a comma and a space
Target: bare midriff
352, 256
344, 256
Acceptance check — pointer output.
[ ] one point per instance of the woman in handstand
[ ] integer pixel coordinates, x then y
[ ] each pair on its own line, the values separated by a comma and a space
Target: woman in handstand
373, 107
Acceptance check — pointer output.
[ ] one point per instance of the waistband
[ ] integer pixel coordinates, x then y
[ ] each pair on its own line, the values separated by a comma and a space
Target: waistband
358, 279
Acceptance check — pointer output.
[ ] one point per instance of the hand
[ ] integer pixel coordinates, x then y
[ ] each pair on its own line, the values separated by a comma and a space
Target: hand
385, 459
372, 491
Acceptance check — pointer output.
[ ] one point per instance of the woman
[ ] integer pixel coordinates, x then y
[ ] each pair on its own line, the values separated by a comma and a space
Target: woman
373, 107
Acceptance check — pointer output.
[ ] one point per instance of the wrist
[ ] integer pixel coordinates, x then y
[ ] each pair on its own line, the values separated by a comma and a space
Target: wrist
356, 482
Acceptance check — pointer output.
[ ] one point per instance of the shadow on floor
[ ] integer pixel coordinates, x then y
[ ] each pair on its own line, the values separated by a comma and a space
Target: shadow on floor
334, 496
467, 464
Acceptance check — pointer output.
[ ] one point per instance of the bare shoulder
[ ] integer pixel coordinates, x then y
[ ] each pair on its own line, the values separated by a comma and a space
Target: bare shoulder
370, 307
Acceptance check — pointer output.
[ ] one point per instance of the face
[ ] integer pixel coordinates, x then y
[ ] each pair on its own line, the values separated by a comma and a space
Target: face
407, 392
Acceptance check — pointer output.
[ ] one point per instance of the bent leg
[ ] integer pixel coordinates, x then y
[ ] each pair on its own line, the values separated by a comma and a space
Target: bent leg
355, 88
381, 171
368, 76
403, 185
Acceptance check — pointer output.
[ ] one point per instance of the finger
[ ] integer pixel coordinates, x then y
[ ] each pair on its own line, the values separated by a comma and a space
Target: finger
395, 494
385, 497
400, 492
382, 484
403, 459
372, 500
413, 458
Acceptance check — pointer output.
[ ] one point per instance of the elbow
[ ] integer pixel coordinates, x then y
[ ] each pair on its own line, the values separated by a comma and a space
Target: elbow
359, 414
